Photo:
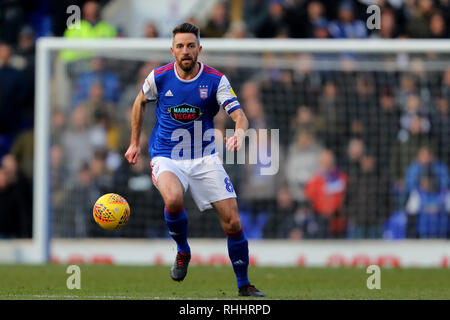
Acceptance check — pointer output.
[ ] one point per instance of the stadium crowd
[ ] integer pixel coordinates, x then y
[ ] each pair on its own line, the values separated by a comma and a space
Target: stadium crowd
363, 154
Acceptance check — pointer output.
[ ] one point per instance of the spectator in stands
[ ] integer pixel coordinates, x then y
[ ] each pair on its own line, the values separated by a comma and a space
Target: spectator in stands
367, 202
320, 29
425, 161
307, 81
11, 202
76, 141
58, 179
128, 93
409, 143
425, 80
440, 129
25, 50
26, 46
355, 151
151, 30
383, 130
258, 191
12, 93
428, 207
438, 28
135, 184
257, 117
287, 93
304, 121
295, 18
404, 151
417, 26
316, 22
389, 29
91, 26
83, 194
302, 159
413, 108
111, 130
58, 125
365, 94
282, 220
95, 104
351, 124
254, 110
445, 90
325, 192
237, 30
249, 91
299, 223
444, 7
346, 26
12, 18
109, 91
23, 151
407, 87
101, 176
254, 13
362, 106
98, 130
21, 190
273, 25
218, 22
329, 116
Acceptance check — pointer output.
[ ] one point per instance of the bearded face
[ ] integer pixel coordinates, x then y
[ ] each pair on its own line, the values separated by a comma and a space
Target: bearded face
187, 63
186, 49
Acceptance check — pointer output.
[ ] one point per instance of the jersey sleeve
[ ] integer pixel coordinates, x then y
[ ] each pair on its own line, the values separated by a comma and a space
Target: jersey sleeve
149, 88
226, 98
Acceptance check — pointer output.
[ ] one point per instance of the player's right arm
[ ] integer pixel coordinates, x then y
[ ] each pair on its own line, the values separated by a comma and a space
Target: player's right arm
137, 114
148, 93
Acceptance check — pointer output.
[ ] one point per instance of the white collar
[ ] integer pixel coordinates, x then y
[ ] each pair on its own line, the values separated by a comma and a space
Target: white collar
189, 80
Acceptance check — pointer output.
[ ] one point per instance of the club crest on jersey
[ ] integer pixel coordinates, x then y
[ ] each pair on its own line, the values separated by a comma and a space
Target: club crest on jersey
203, 92
185, 113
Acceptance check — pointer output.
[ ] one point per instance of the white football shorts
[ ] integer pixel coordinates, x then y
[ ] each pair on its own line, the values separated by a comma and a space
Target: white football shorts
206, 178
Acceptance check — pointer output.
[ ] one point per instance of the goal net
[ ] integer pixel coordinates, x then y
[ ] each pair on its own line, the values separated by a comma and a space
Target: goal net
362, 150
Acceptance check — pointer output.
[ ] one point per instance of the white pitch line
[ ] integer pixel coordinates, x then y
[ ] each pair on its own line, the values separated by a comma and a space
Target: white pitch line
55, 296
43, 296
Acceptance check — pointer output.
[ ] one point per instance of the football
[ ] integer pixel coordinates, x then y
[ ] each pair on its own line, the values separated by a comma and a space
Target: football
111, 211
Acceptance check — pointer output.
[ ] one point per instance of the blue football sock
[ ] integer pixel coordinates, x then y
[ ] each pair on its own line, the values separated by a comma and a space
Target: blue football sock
238, 253
177, 223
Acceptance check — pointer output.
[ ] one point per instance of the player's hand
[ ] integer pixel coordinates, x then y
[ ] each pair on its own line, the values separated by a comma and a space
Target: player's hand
133, 153
234, 143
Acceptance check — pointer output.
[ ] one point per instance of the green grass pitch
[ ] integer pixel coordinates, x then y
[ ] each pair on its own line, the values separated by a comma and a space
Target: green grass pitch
207, 282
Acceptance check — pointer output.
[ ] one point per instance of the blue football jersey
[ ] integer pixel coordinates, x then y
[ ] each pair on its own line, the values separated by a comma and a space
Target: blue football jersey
185, 110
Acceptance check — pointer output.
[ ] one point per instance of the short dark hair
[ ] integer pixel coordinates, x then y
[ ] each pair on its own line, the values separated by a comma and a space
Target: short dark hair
187, 27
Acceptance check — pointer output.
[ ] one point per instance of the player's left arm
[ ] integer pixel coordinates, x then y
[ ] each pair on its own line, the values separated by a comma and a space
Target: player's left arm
228, 100
234, 143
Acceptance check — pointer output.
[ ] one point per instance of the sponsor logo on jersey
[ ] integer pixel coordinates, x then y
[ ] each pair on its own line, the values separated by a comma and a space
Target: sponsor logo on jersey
169, 93
185, 113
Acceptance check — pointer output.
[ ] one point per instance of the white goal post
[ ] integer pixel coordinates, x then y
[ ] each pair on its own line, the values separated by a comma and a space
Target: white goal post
47, 46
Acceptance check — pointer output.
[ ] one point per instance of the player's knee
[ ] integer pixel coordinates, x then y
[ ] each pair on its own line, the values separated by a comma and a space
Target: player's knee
235, 225
174, 203
232, 225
